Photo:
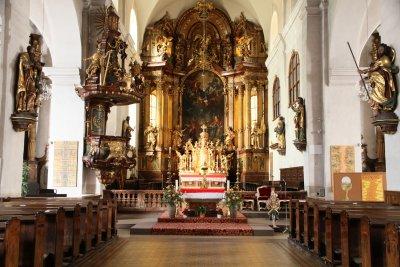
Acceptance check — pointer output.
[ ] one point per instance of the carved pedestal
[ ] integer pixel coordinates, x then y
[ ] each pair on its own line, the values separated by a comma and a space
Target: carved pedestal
387, 121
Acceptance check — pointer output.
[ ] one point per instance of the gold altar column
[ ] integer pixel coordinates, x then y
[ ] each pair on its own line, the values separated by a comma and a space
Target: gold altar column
261, 111
160, 111
230, 100
240, 117
247, 115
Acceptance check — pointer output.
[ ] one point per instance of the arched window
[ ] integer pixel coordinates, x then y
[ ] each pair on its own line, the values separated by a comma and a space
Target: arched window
133, 28
294, 78
276, 98
153, 110
253, 109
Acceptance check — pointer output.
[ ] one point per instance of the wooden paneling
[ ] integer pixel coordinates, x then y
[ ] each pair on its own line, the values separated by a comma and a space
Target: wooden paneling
294, 177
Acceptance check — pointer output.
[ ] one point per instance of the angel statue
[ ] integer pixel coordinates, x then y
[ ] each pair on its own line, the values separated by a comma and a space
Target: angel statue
126, 128
299, 119
280, 133
151, 137
96, 64
381, 77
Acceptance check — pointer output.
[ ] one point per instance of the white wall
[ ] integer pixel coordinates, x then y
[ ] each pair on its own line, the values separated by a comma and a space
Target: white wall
280, 52
16, 38
390, 32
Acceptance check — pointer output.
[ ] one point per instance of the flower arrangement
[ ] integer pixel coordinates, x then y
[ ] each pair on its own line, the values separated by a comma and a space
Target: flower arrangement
233, 197
171, 196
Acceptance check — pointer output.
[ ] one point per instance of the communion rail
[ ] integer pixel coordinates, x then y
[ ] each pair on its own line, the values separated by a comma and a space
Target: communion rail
136, 199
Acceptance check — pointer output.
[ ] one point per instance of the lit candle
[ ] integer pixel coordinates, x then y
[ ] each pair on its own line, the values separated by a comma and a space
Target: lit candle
176, 184
169, 151
228, 184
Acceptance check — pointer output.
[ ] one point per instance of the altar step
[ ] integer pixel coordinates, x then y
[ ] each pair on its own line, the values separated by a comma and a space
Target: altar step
150, 228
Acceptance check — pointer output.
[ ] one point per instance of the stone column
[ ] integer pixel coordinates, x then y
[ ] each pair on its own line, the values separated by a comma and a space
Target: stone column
311, 66
390, 32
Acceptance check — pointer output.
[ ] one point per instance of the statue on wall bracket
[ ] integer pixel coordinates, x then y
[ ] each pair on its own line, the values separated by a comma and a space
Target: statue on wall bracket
279, 130
32, 85
379, 82
300, 124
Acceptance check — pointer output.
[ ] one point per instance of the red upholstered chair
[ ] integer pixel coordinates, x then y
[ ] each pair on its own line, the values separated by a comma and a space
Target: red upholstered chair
263, 194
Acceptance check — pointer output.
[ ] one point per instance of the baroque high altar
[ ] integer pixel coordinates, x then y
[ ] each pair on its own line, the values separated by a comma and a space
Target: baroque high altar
203, 68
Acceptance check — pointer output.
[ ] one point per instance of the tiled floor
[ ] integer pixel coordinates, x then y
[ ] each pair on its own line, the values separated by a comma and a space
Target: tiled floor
176, 251
200, 251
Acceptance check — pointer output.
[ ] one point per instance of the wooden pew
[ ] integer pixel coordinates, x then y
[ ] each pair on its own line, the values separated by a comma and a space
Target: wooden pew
86, 221
340, 239
392, 244
9, 242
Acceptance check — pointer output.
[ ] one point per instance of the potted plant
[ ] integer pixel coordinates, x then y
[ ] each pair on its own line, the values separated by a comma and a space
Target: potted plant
201, 211
233, 199
172, 198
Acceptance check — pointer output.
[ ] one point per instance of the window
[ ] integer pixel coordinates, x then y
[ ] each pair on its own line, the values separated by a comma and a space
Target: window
276, 98
253, 109
133, 28
153, 110
294, 78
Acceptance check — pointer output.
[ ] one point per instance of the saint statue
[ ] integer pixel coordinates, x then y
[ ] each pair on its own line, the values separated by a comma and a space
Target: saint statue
280, 133
151, 137
29, 76
229, 139
255, 136
177, 138
380, 76
126, 128
299, 119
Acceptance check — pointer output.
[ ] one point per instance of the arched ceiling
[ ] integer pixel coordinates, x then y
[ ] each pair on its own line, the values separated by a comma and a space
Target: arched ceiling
259, 11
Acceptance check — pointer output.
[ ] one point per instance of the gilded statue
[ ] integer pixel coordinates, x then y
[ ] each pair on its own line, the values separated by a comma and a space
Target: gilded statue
96, 66
112, 69
126, 128
299, 119
177, 138
136, 75
163, 46
29, 76
227, 53
381, 77
151, 137
255, 136
242, 48
280, 133
229, 139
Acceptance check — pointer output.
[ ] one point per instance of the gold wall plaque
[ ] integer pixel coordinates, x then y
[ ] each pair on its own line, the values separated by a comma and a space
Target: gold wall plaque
65, 168
342, 161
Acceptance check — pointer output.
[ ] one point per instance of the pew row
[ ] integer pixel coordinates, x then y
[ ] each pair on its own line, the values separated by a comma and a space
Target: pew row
347, 233
50, 232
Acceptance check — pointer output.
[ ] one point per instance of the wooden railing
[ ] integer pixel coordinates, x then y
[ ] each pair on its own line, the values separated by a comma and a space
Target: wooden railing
136, 199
